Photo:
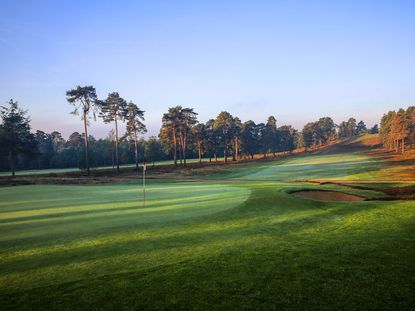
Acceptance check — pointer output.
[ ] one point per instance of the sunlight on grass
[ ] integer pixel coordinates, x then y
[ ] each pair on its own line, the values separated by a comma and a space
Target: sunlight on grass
205, 239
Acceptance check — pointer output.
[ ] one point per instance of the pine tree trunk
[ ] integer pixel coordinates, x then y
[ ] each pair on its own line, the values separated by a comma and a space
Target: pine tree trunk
86, 143
136, 149
180, 152
181, 148
174, 147
237, 149
225, 152
233, 150
116, 146
184, 148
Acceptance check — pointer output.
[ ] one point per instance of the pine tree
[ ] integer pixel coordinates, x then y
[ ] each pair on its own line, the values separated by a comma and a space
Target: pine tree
114, 109
86, 96
16, 138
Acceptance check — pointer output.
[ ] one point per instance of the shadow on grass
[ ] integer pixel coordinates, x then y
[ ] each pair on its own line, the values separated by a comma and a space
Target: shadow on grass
275, 220
318, 272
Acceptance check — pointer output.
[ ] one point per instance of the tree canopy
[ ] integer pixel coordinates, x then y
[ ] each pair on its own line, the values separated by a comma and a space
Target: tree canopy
15, 136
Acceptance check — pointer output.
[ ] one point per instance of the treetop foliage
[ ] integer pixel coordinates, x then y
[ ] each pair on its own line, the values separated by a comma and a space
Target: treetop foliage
397, 129
84, 98
15, 136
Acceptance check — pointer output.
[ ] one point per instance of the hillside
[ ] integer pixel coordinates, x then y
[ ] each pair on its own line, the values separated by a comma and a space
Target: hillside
392, 165
364, 143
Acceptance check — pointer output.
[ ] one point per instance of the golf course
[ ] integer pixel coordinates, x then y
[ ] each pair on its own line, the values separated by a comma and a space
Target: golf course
240, 238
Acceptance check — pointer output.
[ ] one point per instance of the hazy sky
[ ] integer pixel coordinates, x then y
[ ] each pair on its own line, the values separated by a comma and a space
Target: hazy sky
297, 60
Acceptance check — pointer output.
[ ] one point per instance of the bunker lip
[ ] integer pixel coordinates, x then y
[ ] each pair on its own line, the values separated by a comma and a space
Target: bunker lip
327, 195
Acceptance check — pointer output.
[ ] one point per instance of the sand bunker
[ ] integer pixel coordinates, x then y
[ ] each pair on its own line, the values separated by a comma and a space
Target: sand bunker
322, 195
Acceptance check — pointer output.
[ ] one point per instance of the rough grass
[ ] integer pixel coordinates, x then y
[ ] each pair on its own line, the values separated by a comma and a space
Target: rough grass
247, 244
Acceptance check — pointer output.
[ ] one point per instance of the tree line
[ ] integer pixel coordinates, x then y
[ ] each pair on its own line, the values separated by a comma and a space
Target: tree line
181, 136
397, 129
23, 150
225, 136
325, 131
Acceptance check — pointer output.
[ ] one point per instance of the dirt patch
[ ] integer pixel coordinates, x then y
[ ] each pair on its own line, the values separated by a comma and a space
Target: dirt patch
322, 195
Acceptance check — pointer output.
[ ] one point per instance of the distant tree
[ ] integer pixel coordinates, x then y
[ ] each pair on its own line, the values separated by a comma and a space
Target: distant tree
386, 129
397, 129
165, 138
111, 139
75, 140
361, 128
410, 119
343, 131
45, 148
3, 151
169, 129
326, 130
16, 138
308, 136
262, 146
271, 135
374, 129
250, 138
224, 123
84, 98
288, 137
212, 140
73, 150
401, 129
236, 137
199, 138
135, 117
351, 127
57, 141
114, 109
187, 119
153, 149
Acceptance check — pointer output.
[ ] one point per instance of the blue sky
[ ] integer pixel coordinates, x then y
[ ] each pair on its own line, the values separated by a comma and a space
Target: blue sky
297, 60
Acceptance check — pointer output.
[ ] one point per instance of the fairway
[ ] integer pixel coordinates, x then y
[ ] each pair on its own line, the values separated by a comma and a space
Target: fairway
246, 244
333, 166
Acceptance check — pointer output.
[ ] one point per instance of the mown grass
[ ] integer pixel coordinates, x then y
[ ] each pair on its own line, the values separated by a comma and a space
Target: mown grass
346, 166
208, 245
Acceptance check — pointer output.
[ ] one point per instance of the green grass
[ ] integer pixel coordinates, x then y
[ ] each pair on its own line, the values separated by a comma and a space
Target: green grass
209, 245
342, 166
334, 166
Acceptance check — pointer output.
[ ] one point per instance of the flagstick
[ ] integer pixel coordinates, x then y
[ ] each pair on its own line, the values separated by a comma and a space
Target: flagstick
144, 184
